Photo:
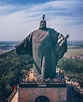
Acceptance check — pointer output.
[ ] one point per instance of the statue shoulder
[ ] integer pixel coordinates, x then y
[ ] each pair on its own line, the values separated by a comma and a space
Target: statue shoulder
53, 31
29, 36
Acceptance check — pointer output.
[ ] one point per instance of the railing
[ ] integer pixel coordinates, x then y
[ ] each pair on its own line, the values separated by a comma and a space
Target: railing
11, 96
43, 82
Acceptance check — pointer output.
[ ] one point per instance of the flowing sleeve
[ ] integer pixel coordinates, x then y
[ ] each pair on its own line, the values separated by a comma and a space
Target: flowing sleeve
25, 46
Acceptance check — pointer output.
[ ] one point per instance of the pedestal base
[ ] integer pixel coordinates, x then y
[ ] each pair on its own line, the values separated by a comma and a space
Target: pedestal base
52, 94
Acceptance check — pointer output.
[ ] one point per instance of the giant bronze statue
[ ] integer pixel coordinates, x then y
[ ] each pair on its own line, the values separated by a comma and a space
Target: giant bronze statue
46, 46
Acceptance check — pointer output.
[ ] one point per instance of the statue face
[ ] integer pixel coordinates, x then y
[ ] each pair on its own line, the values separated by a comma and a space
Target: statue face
42, 24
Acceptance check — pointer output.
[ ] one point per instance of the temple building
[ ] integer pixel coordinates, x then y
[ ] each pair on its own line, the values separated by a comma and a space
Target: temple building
31, 89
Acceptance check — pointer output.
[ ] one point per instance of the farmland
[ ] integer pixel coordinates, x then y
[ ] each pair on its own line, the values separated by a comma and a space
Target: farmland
73, 52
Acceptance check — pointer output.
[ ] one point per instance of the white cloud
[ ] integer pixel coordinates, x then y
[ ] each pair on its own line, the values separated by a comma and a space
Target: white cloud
21, 20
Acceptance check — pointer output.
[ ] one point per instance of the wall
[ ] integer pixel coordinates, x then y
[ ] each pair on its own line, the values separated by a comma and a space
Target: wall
30, 94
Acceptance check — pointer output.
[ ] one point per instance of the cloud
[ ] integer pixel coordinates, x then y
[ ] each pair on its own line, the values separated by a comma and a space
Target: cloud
19, 20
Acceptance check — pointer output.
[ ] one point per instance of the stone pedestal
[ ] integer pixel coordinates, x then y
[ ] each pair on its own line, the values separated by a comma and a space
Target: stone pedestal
54, 94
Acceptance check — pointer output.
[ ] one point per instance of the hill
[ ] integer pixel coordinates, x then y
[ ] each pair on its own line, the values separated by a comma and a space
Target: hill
12, 68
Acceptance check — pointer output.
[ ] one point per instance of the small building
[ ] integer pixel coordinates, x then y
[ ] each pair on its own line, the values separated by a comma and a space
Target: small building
39, 90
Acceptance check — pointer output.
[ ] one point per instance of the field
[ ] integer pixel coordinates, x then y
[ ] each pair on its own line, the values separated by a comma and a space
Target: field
3, 51
72, 52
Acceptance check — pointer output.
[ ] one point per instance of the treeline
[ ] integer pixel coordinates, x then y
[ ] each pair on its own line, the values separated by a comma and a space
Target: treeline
12, 68
72, 68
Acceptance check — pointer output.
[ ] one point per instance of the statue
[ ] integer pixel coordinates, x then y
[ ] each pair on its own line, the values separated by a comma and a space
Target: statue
46, 46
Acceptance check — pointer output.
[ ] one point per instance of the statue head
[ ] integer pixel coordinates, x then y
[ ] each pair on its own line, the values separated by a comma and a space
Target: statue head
42, 23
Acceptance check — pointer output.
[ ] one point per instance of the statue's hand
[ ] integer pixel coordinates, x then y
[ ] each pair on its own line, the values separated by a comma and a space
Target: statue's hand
61, 46
62, 39
61, 42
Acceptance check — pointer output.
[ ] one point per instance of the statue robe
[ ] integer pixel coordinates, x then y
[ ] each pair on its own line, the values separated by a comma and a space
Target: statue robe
44, 47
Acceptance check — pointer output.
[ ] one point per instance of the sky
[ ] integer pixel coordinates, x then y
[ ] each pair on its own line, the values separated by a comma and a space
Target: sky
18, 18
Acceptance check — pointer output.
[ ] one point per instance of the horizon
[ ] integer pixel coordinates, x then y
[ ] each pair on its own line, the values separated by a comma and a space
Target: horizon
20, 17
22, 39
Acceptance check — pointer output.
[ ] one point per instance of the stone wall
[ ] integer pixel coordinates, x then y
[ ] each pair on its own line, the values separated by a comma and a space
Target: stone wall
53, 94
